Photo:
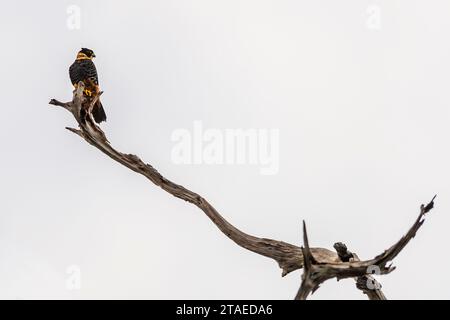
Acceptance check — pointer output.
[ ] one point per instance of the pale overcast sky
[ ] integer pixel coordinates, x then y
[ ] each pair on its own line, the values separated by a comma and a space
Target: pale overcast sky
357, 90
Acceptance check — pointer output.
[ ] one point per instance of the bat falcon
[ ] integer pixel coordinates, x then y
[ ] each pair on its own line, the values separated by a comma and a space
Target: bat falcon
83, 69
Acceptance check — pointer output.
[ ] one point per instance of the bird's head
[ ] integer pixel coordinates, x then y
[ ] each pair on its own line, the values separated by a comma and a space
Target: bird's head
85, 53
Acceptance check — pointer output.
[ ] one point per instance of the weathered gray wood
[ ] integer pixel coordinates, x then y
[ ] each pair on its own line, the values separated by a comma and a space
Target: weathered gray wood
316, 272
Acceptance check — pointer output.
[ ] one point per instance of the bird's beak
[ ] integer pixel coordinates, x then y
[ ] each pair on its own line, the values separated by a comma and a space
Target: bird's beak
93, 56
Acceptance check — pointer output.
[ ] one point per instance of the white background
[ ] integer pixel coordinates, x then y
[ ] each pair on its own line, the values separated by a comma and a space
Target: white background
363, 117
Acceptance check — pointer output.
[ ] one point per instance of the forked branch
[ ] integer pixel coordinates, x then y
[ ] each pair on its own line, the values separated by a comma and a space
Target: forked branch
315, 273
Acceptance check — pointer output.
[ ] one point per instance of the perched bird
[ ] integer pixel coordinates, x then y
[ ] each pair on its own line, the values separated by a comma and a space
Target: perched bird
83, 69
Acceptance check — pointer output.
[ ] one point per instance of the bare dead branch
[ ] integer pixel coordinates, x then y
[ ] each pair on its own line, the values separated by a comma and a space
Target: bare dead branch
288, 256
320, 264
315, 273
372, 291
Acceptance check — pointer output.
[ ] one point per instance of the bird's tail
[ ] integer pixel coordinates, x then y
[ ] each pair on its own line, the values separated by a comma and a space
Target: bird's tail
98, 112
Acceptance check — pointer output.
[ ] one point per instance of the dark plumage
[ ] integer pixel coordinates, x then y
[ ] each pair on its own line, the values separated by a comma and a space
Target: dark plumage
83, 69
